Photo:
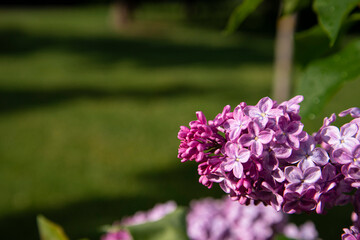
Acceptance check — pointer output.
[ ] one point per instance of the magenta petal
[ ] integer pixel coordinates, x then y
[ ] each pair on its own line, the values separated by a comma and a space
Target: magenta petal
201, 117
312, 174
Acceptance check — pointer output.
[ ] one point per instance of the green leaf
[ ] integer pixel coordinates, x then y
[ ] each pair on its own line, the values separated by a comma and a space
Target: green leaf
331, 14
172, 226
292, 6
240, 13
49, 230
323, 77
312, 43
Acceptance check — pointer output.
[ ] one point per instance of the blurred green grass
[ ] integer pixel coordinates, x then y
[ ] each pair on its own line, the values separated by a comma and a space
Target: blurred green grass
89, 117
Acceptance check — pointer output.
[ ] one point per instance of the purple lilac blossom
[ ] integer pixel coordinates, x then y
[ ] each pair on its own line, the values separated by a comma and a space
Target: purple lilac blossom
306, 231
288, 168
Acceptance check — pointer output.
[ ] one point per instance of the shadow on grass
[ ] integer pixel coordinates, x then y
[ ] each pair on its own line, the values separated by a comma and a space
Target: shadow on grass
84, 218
144, 52
18, 99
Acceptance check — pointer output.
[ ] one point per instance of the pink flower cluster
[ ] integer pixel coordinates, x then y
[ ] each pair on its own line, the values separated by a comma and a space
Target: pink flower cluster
262, 154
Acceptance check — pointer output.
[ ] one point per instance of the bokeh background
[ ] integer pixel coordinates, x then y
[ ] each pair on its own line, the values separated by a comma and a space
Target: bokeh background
92, 94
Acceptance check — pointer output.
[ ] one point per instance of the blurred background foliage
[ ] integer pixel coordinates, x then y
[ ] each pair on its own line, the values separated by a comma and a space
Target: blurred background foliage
90, 106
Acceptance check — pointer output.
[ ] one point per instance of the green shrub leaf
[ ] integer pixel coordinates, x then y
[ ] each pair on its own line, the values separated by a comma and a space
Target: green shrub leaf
331, 14
240, 13
172, 226
323, 77
49, 230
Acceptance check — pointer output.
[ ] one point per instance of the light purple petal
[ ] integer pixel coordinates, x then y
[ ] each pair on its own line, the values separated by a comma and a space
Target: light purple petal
246, 139
293, 174
270, 162
252, 111
235, 133
354, 112
278, 175
282, 151
294, 128
319, 156
305, 163
349, 130
265, 137
312, 174
331, 135
265, 104
228, 165
341, 156
349, 143
238, 170
275, 112
356, 152
231, 150
257, 148
293, 141
354, 171
243, 155
296, 156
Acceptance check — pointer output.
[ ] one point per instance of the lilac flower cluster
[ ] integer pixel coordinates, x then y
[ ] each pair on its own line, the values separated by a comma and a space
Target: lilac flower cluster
223, 219
118, 232
262, 154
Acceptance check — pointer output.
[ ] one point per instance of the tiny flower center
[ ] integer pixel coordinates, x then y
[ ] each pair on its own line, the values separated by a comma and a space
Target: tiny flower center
307, 155
342, 141
256, 138
263, 114
237, 159
355, 159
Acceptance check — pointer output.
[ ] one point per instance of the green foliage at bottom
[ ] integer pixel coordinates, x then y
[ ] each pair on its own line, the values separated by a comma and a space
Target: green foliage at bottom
49, 230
